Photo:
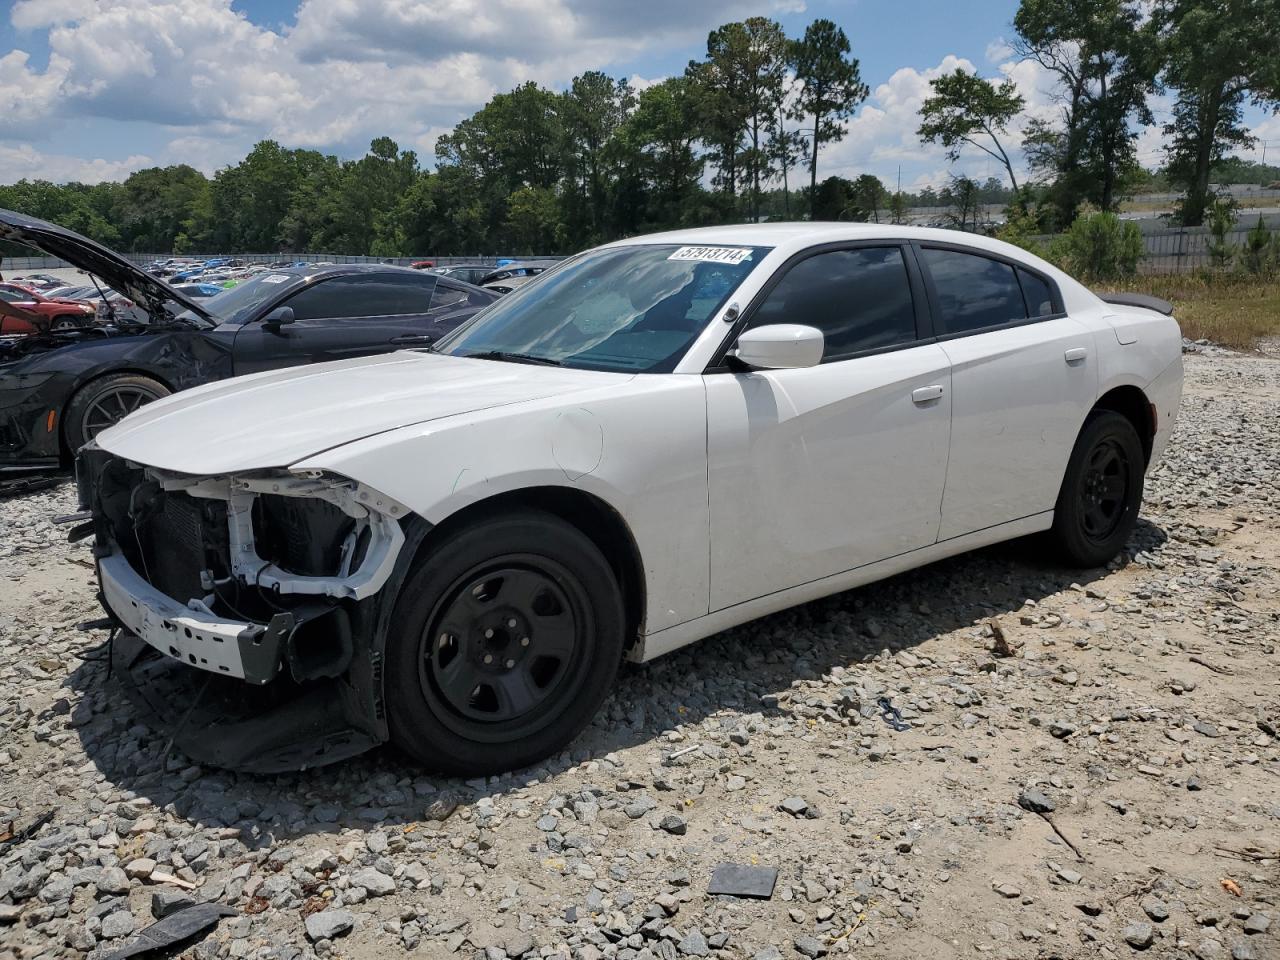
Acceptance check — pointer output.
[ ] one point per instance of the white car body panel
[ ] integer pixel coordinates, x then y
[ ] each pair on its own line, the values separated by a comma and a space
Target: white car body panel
743, 493
274, 418
639, 444
823, 469
1017, 405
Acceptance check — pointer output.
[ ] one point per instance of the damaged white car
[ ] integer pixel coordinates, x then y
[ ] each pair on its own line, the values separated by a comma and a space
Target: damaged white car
453, 548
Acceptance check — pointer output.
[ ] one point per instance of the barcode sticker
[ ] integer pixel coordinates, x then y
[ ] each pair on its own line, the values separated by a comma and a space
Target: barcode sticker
730, 255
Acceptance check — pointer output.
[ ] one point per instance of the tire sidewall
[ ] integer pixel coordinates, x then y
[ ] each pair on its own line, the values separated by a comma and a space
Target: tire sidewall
87, 395
414, 724
1078, 548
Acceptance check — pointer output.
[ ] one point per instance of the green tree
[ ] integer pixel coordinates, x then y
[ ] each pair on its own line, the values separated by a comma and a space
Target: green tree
533, 220
1217, 53
661, 132
870, 195
742, 78
961, 198
595, 108
1102, 54
965, 109
831, 88
834, 200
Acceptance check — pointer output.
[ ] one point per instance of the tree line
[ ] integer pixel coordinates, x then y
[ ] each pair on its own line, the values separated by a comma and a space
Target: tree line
734, 137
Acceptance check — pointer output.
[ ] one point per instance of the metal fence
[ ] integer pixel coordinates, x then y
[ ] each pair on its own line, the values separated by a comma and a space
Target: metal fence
1184, 250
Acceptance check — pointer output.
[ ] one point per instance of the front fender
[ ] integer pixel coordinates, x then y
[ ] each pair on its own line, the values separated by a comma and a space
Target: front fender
642, 451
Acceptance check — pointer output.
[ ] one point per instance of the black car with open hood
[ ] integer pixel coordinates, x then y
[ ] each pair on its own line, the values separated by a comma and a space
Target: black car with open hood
59, 389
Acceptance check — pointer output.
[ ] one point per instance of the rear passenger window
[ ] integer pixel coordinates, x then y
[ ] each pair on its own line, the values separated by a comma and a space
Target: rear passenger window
447, 296
860, 299
973, 291
1037, 293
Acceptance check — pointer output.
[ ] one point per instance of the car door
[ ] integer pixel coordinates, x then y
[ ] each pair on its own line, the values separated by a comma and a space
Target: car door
1023, 378
335, 318
819, 470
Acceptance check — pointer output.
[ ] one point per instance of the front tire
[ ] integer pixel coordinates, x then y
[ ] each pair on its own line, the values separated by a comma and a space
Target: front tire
1101, 491
105, 402
504, 642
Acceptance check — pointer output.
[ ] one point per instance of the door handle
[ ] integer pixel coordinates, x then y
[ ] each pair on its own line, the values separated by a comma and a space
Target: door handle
926, 394
1076, 354
421, 339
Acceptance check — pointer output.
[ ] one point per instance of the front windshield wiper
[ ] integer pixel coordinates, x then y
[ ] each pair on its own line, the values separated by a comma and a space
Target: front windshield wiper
513, 357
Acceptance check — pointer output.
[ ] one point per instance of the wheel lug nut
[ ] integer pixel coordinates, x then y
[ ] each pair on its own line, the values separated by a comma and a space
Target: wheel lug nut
488, 658
524, 641
510, 664
511, 622
488, 634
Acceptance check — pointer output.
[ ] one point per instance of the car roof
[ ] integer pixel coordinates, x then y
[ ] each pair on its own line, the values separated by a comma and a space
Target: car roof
316, 270
804, 233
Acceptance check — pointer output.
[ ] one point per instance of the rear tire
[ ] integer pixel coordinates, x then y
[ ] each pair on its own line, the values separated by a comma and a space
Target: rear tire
106, 401
1101, 491
504, 642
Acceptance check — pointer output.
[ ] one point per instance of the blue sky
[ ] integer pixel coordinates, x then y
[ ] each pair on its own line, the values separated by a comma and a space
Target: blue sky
93, 89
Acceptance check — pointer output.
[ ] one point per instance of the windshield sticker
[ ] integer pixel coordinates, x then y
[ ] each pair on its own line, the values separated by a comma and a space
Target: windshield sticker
276, 278
730, 255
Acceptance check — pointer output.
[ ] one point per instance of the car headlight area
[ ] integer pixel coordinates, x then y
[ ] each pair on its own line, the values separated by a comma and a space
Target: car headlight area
246, 576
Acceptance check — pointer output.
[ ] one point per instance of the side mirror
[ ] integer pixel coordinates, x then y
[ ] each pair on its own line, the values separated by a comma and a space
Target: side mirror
277, 318
780, 346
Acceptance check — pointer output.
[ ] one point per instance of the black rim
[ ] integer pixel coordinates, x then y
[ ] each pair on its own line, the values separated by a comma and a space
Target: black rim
502, 645
112, 407
1104, 490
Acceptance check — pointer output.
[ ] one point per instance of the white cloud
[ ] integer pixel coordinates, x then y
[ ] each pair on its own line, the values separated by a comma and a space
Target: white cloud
345, 72
998, 51
26, 162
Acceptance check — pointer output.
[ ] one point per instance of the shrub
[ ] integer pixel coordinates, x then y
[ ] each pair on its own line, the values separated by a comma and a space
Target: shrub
1222, 217
1098, 247
1260, 252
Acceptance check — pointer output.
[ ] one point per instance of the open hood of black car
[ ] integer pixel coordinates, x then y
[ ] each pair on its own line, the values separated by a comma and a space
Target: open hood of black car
160, 300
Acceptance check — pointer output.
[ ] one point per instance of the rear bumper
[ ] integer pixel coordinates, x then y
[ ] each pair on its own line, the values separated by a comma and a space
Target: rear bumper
1165, 395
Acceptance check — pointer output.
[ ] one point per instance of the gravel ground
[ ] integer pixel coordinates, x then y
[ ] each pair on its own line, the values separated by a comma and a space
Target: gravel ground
1111, 785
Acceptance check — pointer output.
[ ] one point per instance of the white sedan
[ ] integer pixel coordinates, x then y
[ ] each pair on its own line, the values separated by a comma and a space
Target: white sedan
452, 548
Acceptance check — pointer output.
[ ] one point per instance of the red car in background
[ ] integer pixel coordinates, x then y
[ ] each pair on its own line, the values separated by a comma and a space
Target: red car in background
34, 313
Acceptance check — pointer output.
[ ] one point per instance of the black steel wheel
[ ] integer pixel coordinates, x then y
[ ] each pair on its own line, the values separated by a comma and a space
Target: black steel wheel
504, 642
1101, 491
105, 402
1104, 489
501, 641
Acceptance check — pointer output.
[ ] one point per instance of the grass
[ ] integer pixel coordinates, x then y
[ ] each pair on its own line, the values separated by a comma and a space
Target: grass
1233, 310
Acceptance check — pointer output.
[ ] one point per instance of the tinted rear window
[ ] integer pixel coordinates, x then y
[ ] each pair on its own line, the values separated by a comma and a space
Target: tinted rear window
973, 291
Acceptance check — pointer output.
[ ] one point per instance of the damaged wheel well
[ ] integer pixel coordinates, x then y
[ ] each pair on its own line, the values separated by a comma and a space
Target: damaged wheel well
589, 514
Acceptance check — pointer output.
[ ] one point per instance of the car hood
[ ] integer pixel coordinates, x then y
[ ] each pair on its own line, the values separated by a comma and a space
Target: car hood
274, 419
112, 269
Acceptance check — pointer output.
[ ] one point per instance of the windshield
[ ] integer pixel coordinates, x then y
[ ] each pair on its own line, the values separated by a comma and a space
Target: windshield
630, 309
239, 303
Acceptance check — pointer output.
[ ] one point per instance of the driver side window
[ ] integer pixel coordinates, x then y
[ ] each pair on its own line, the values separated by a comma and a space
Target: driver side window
363, 295
859, 298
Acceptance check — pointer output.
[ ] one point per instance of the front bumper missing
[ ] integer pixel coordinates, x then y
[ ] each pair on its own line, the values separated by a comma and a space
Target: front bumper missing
192, 634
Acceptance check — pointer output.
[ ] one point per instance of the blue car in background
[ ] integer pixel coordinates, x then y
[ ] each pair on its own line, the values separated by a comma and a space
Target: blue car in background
200, 291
